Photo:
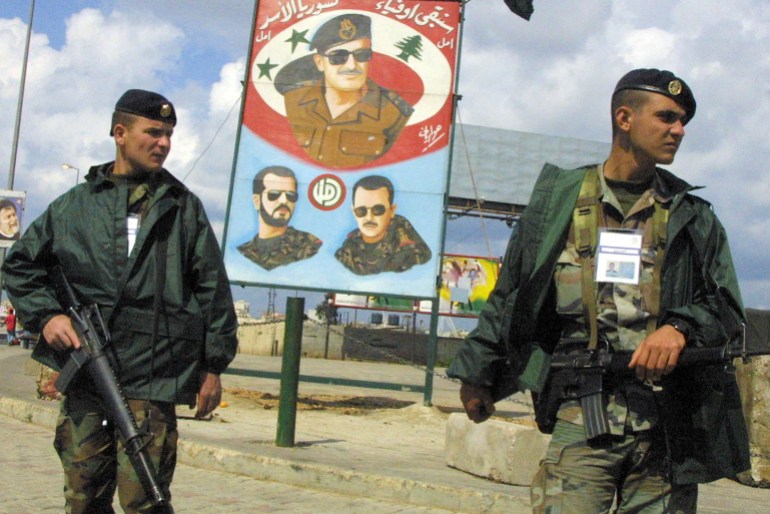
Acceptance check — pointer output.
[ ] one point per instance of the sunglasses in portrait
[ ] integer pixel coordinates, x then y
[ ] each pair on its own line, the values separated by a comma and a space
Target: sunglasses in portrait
377, 210
338, 57
275, 194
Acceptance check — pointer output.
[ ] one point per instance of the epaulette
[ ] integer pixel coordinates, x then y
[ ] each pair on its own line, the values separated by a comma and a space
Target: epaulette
402, 105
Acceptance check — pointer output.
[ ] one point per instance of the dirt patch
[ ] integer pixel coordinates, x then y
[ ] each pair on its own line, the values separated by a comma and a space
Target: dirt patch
351, 405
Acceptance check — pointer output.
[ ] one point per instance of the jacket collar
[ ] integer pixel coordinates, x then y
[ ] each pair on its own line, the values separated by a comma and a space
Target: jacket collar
98, 176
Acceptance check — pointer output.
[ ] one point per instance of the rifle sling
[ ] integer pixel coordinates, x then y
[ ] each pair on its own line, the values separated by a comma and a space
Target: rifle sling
586, 223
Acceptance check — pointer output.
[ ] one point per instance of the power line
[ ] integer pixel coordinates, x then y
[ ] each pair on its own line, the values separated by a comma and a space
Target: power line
237, 101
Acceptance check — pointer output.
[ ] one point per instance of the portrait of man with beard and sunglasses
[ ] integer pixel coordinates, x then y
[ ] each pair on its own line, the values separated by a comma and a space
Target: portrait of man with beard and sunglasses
277, 244
383, 241
338, 115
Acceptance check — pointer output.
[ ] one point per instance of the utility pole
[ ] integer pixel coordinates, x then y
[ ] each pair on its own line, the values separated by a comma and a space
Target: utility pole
20, 103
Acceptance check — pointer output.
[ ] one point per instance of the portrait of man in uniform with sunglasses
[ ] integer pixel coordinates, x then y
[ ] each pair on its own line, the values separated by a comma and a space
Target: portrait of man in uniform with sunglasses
384, 240
277, 244
338, 115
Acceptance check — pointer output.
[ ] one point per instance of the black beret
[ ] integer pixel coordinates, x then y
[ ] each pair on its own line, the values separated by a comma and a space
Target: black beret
662, 82
341, 29
147, 105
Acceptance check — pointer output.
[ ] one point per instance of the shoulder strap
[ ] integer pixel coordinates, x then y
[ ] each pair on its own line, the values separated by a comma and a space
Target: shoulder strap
585, 223
659, 237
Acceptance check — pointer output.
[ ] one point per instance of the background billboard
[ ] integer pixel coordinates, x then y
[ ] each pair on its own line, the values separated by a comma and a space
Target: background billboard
11, 211
466, 282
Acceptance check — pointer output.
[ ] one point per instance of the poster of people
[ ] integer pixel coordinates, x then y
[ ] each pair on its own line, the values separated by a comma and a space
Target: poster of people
466, 283
11, 210
343, 152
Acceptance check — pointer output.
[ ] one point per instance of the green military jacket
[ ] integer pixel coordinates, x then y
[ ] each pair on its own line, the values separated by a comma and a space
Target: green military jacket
84, 231
700, 407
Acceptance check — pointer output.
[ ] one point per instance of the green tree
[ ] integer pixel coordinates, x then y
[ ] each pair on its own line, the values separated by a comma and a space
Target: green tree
410, 47
326, 310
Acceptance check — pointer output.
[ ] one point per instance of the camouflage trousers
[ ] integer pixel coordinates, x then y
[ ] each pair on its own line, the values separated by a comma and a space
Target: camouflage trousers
628, 472
94, 460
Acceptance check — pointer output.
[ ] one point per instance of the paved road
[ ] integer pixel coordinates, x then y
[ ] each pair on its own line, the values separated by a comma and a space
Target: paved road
31, 482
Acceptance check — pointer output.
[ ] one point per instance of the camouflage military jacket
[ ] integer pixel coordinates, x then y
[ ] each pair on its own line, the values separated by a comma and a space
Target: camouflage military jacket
621, 308
699, 406
400, 249
294, 245
358, 136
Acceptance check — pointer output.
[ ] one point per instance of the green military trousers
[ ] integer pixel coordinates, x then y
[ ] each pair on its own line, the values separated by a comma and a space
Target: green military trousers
628, 472
95, 463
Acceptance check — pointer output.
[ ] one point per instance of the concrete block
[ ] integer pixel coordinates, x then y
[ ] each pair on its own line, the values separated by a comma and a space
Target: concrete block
498, 450
754, 383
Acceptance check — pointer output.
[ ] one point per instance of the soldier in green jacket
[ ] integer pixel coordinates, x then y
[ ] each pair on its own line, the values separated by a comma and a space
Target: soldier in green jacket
277, 244
137, 243
670, 428
383, 241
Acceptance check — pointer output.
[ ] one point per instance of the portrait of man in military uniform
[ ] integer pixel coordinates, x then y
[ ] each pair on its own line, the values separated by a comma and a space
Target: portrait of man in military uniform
384, 240
338, 115
277, 244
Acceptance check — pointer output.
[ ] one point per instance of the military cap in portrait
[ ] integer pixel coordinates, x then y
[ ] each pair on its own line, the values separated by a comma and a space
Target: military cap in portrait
341, 29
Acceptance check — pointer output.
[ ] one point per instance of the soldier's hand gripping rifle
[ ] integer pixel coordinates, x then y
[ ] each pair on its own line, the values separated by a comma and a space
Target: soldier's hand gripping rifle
580, 375
91, 356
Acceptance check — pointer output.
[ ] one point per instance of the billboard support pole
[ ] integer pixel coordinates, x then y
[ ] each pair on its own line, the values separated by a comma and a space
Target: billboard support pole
434, 312
430, 357
292, 349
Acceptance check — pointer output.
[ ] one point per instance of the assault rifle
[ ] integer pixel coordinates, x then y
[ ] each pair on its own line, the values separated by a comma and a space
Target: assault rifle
91, 356
580, 375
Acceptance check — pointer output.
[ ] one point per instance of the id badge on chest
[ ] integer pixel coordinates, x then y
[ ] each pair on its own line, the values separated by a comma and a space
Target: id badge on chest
132, 229
619, 256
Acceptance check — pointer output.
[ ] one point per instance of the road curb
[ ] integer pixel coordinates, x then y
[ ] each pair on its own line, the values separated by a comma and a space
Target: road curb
304, 474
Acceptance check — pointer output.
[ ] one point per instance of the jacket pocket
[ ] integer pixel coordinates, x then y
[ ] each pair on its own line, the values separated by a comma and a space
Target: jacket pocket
370, 144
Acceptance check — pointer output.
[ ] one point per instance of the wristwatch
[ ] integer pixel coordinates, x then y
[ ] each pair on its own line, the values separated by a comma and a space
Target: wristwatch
680, 326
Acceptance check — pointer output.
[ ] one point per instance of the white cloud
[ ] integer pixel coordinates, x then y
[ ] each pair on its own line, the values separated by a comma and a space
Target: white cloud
639, 47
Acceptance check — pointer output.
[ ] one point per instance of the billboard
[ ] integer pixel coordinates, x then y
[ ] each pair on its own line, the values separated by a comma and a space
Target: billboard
381, 303
343, 150
11, 211
466, 283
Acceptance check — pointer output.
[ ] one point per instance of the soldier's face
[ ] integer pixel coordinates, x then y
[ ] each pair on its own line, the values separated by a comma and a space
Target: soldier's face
373, 213
351, 74
276, 203
145, 143
656, 129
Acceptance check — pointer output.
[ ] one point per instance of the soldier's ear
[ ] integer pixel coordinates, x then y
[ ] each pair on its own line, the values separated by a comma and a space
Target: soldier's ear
119, 133
623, 117
255, 200
393, 209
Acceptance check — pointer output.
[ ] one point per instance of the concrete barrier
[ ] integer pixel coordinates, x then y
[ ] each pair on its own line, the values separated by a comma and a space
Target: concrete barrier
498, 450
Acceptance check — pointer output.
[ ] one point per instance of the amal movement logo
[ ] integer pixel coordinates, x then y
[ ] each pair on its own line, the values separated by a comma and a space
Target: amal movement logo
326, 192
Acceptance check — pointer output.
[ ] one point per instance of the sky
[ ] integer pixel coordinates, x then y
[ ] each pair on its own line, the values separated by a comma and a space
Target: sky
552, 75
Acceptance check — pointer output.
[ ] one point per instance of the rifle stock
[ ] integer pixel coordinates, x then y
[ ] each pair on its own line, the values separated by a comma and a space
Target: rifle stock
94, 336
